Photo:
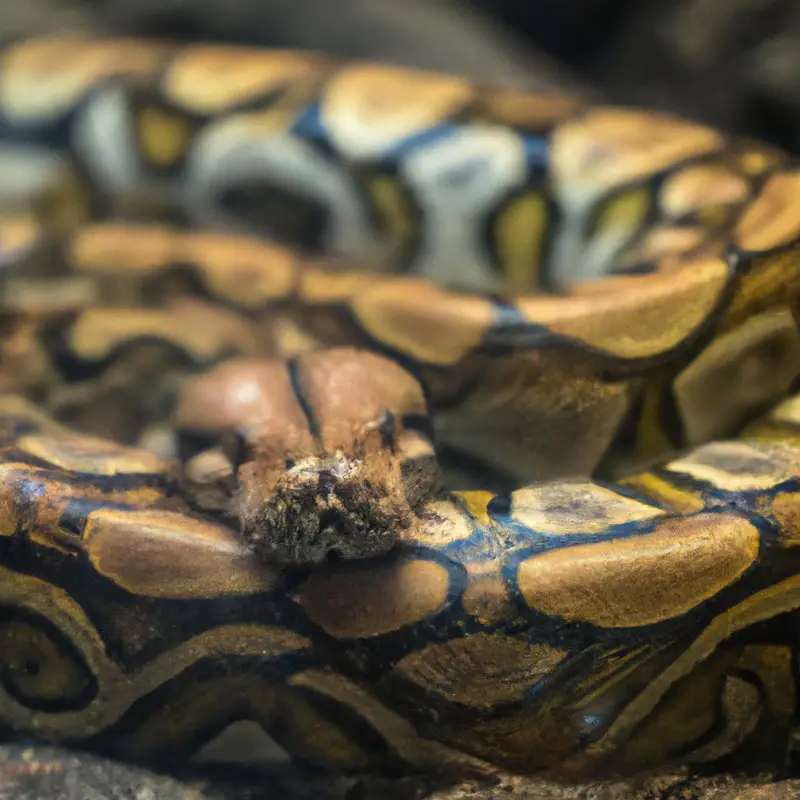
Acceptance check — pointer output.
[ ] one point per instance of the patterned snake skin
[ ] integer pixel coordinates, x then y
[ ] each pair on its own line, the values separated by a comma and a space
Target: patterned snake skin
409, 422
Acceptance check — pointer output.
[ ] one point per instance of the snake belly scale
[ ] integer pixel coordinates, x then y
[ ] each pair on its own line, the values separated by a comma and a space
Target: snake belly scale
406, 421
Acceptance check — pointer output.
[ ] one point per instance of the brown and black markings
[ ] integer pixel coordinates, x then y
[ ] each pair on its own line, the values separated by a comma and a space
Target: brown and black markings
568, 627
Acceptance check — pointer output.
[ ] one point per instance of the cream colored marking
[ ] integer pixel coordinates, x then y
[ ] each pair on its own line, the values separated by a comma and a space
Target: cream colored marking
766, 604
580, 507
788, 411
458, 179
259, 147
630, 582
118, 690
738, 466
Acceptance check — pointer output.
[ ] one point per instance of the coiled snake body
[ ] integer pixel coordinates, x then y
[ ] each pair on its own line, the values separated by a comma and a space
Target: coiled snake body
221, 513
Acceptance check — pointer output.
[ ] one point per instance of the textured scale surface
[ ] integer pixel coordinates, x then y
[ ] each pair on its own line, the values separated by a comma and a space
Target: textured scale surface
406, 422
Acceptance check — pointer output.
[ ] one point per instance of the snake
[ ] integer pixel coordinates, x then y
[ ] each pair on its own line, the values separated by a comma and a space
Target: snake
397, 421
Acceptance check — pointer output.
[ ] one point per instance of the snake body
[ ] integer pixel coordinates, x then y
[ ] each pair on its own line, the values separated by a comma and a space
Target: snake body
534, 290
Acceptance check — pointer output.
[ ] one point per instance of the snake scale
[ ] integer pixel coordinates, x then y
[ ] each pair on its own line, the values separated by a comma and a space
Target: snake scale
406, 421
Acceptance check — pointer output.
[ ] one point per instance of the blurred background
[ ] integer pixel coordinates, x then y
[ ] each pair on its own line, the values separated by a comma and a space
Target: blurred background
732, 63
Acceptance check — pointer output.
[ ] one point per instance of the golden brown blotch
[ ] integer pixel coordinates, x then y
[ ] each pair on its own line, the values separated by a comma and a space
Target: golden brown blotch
91, 454
367, 108
202, 330
20, 234
486, 597
44, 76
702, 186
739, 466
206, 79
167, 555
787, 412
120, 248
659, 243
772, 219
579, 508
786, 509
642, 317
523, 110
480, 670
32, 500
430, 324
243, 270
361, 602
317, 286
352, 491
751, 367
612, 146
629, 582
